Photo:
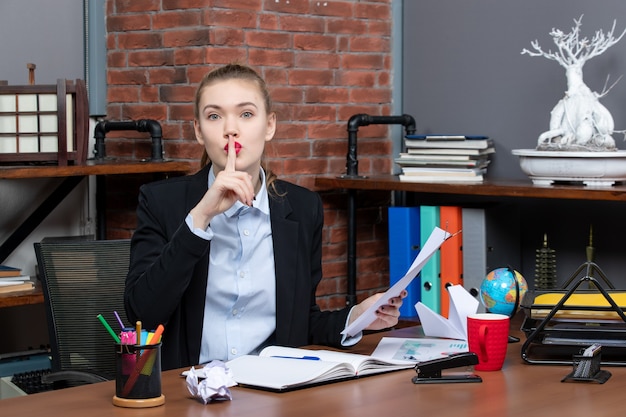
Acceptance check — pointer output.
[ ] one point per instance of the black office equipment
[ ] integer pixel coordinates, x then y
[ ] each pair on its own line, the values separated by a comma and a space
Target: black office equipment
32, 382
558, 323
586, 367
430, 372
81, 279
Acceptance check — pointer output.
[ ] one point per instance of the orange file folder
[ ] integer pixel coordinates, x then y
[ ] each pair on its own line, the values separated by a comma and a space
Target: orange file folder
451, 219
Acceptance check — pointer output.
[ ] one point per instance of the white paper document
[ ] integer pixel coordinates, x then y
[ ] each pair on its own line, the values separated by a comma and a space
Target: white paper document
417, 349
435, 240
462, 304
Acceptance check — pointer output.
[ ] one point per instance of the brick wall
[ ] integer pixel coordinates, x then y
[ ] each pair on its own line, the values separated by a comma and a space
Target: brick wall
324, 61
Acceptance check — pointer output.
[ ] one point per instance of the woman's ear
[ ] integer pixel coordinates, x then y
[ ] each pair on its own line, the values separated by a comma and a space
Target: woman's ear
198, 131
271, 127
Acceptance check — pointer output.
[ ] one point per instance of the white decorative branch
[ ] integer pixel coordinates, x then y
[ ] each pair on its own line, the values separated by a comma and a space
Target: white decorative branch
578, 121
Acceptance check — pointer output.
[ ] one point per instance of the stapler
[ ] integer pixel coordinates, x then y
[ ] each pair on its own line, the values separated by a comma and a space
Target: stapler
429, 372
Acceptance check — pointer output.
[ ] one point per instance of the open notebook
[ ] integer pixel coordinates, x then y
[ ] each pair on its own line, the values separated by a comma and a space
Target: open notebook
282, 368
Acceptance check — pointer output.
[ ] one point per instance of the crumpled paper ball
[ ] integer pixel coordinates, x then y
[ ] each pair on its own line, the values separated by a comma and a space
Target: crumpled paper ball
210, 383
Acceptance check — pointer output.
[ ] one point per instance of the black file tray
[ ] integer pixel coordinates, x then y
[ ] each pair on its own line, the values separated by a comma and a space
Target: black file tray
551, 340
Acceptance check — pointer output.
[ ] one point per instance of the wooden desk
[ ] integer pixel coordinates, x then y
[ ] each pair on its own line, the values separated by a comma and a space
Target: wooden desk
518, 390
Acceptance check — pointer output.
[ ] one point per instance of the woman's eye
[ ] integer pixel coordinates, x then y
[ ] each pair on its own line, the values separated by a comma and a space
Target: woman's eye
212, 116
246, 114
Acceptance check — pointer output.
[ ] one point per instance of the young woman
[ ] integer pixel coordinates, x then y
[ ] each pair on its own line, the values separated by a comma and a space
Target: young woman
229, 259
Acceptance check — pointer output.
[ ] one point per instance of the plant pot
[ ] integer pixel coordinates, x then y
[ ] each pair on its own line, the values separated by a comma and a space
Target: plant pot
593, 169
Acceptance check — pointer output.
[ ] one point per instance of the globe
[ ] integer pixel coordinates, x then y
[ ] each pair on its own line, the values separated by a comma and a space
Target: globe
498, 292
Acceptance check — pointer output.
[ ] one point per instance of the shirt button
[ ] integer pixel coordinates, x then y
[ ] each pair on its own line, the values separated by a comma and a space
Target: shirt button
246, 232
242, 274
235, 312
233, 351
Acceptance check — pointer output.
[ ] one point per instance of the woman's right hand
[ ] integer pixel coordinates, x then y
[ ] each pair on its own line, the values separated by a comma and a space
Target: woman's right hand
229, 186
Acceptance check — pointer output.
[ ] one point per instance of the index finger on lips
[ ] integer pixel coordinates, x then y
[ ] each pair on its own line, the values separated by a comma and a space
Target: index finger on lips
232, 155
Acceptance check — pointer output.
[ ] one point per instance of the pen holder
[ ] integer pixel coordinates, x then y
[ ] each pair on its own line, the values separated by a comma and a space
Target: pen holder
138, 376
587, 369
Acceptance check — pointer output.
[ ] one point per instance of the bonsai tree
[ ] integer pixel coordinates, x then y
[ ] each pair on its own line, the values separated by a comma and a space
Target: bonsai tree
578, 122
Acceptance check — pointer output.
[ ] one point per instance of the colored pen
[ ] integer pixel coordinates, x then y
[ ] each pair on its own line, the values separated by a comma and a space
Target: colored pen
138, 331
308, 358
153, 339
156, 336
119, 320
109, 329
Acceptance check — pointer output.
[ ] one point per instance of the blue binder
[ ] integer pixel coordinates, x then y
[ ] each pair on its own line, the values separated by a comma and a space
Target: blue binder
430, 275
404, 245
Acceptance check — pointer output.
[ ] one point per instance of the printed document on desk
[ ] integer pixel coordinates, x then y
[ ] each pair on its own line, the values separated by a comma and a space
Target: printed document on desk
462, 304
419, 349
436, 239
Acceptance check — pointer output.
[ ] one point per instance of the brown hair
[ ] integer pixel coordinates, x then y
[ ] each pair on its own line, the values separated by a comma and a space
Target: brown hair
236, 72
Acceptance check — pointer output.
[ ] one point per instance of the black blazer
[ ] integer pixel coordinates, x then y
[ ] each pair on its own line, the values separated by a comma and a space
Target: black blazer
167, 279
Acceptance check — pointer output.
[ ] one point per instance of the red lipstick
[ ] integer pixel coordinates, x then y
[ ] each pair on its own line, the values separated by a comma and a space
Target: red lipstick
237, 147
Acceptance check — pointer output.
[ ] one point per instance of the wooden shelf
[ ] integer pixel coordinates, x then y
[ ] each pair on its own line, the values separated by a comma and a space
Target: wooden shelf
515, 189
109, 166
106, 167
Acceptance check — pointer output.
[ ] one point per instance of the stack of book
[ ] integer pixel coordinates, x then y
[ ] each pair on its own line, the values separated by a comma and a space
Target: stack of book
444, 158
12, 280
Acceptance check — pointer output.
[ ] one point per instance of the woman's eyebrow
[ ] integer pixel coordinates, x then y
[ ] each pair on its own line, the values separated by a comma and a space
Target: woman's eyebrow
218, 107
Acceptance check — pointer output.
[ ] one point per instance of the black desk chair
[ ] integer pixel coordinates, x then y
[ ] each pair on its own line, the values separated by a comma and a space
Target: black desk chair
81, 279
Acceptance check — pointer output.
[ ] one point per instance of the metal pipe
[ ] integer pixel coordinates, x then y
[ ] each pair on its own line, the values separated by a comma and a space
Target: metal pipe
143, 125
358, 120
352, 171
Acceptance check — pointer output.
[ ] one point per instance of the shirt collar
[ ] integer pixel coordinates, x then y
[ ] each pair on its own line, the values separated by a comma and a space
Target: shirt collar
260, 201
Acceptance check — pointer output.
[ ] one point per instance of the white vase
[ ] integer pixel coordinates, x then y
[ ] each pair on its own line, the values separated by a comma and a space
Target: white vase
593, 169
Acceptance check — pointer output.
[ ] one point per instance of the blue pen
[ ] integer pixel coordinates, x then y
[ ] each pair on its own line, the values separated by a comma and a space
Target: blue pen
308, 358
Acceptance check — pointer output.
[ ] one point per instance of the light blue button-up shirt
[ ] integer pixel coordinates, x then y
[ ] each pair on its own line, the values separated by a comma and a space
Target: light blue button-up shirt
240, 306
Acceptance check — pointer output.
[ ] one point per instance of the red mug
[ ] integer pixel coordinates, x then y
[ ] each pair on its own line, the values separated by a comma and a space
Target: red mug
488, 337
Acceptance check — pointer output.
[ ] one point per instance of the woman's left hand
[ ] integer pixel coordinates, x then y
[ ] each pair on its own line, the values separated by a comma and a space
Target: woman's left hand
386, 315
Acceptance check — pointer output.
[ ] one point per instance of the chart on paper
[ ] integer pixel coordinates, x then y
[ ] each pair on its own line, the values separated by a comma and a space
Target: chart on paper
417, 349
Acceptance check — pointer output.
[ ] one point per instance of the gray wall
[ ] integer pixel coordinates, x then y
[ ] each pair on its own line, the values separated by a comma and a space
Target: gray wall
464, 74
47, 33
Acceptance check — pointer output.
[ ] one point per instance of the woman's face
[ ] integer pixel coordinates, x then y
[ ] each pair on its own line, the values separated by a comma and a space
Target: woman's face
234, 108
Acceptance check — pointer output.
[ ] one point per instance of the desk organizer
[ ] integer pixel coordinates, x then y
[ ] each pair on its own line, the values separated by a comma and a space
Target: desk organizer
587, 369
558, 323
138, 376
44, 123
